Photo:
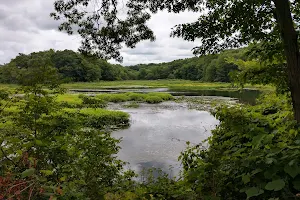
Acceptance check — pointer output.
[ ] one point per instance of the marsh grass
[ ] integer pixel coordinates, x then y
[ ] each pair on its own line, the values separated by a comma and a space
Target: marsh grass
154, 97
92, 102
173, 84
100, 118
116, 98
131, 105
70, 100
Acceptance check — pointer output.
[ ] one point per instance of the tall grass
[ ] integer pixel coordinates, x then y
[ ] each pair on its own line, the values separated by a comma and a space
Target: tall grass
100, 118
69, 100
155, 97
171, 84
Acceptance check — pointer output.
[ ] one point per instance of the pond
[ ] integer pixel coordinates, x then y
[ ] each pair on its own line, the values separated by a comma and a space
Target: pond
158, 133
244, 96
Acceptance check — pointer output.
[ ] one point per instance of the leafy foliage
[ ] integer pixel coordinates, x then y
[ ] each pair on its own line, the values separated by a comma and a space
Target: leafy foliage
209, 68
252, 153
105, 41
47, 152
75, 67
217, 27
67, 64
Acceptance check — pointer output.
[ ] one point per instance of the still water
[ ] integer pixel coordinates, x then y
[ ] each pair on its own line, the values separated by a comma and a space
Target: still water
158, 133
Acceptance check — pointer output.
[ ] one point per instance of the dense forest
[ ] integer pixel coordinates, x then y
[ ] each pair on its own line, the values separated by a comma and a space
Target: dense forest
71, 66
209, 68
75, 67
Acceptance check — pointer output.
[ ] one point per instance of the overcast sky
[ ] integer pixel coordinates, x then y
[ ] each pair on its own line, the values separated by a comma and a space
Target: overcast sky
25, 26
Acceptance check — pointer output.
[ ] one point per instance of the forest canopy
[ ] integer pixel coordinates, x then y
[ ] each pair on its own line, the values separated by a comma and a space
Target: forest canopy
75, 67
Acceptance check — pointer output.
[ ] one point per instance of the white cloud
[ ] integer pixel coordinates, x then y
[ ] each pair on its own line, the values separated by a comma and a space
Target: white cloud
25, 26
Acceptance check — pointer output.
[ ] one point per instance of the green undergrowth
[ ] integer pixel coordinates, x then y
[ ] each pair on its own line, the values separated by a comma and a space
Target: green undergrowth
254, 153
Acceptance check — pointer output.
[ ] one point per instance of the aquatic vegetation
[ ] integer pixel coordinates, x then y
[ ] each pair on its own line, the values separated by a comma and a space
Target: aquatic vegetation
69, 100
131, 105
163, 96
116, 98
153, 99
99, 118
174, 84
156, 97
136, 96
92, 102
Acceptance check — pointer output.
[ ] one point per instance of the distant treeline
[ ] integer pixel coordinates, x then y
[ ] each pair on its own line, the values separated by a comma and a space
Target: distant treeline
70, 65
209, 68
74, 67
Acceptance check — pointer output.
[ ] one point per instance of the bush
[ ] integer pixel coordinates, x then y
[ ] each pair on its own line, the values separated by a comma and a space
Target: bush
254, 153
159, 187
50, 153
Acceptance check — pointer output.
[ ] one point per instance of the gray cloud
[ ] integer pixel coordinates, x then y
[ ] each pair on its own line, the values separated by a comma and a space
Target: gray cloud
25, 26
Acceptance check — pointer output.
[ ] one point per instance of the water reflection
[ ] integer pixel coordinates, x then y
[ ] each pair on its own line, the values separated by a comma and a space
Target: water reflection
158, 133
244, 96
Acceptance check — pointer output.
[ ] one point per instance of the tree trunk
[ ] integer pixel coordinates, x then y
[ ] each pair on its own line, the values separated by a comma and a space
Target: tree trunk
290, 40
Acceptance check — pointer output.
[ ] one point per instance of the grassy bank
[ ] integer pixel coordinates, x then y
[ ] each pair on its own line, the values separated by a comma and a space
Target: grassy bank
172, 84
100, 100
139, 84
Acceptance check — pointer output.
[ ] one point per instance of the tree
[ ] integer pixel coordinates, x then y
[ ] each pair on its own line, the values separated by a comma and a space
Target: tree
48, 152
222, 24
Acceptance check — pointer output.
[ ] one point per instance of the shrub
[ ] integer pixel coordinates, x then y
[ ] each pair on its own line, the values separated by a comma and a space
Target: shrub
159, 187
254, 153
50, 153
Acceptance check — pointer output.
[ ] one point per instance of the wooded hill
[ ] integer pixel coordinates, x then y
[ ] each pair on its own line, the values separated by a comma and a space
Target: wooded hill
74, 67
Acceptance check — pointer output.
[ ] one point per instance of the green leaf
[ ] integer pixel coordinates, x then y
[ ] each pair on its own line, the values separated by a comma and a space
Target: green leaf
253, 192
39, 142
270, 160
28, 172
293, 171
20, 152
296, 185
47, 172
246, 179
256, 141
48, 194
255, 171
275, 185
